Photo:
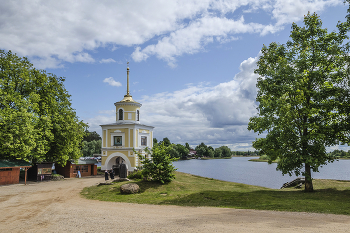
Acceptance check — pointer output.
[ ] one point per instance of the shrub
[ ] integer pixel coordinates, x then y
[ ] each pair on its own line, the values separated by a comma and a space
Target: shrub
136, 175
159, 167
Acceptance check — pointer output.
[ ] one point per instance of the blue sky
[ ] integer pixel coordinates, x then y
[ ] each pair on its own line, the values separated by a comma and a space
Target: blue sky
191, 62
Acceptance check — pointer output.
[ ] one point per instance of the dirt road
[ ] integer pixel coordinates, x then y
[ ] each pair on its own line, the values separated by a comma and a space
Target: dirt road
56, 206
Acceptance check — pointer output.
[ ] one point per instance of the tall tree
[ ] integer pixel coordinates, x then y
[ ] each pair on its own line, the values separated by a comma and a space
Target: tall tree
92, 147
91, 136
201, 150
303, 95
37, 122
166, 142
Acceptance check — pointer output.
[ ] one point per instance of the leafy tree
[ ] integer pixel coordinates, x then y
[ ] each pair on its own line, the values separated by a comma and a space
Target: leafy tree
166, 142
303, 98
155, 141
173, 152
92, 147
159, 168
226, 152
201, 149
37, 122
340, 154
91, 136
183, 151
218, 153
210, 152
187, 146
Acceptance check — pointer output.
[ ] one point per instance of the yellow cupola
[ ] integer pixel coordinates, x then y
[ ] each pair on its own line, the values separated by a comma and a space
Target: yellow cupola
128, 110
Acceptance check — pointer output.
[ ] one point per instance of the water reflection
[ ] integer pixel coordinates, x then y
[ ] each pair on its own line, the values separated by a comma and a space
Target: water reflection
240, 170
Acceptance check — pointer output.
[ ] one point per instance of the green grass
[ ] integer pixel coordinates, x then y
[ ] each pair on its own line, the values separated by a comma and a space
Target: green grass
330, 196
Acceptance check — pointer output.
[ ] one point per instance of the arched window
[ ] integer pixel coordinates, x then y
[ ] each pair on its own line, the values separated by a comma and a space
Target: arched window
138, 115
120, 114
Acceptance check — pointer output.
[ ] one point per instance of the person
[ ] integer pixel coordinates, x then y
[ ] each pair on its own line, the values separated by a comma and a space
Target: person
106, 175
111, 173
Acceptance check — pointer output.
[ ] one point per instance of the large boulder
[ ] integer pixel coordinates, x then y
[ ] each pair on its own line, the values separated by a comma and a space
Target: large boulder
129, 188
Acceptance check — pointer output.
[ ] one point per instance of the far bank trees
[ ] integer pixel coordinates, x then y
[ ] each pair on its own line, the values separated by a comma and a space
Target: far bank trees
37, 122
303, 95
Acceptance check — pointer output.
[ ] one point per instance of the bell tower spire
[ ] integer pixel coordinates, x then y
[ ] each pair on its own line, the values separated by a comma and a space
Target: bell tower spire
128, 97
127, 90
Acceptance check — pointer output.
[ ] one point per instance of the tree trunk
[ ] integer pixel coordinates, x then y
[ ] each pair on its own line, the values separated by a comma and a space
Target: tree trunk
308, 181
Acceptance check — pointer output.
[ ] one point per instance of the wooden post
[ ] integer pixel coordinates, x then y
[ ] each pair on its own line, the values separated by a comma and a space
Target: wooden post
25, 176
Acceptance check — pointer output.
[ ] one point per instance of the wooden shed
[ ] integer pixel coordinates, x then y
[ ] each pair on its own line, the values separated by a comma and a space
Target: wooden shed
41, 171
86, 168
10, 171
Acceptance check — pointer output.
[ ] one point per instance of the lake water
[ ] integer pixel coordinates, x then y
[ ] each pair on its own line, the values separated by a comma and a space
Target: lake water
240, 170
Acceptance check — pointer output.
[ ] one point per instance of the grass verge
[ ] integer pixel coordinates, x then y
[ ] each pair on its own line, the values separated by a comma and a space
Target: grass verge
330, 196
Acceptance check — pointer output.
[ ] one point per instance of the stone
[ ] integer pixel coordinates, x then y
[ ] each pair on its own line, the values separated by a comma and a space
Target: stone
120, 179
129, 188
57, 178
295, 182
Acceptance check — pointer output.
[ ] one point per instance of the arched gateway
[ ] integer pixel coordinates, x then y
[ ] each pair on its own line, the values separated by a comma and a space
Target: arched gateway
127, 133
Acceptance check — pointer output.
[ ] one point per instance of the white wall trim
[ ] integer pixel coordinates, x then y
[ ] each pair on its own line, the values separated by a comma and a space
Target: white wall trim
109, 162
118, 134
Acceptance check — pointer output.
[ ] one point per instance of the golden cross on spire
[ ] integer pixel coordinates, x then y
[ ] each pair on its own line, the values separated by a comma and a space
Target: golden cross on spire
127, 71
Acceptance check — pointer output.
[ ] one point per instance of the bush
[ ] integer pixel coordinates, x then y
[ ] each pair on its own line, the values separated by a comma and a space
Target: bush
160, 167
136, 175
264, 157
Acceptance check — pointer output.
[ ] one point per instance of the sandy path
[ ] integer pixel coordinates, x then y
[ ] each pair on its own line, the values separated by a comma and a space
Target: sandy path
58, 207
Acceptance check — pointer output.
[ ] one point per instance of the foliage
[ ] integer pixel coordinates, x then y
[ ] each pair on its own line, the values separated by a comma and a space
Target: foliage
303, 98
340, 154
37, 122
201, 150
155, 141
157, 165
136, 175
166, 142
245, 153
223, 152
182, 150
173, 152
91, 147
91, 136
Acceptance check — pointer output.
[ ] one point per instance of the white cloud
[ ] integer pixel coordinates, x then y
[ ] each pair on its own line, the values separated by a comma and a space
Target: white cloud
288, 11
52, 32
109, 60
214, 115
112, 82
194, 36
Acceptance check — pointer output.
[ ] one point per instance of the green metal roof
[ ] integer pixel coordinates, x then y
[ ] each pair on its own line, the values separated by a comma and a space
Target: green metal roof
14, 163
86, 161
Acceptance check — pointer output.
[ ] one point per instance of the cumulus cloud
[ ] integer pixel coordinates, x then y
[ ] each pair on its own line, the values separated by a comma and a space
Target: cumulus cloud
216, 115
288, 11
112, 82
52, 32
192, 38
109, 60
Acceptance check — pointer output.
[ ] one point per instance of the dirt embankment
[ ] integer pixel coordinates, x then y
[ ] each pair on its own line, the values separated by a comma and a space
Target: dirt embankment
58, 207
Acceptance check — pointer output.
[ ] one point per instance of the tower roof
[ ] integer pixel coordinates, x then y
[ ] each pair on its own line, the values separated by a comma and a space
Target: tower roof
127, 98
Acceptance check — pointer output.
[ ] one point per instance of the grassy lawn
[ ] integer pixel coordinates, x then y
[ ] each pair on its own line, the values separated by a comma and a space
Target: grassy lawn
330, 196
